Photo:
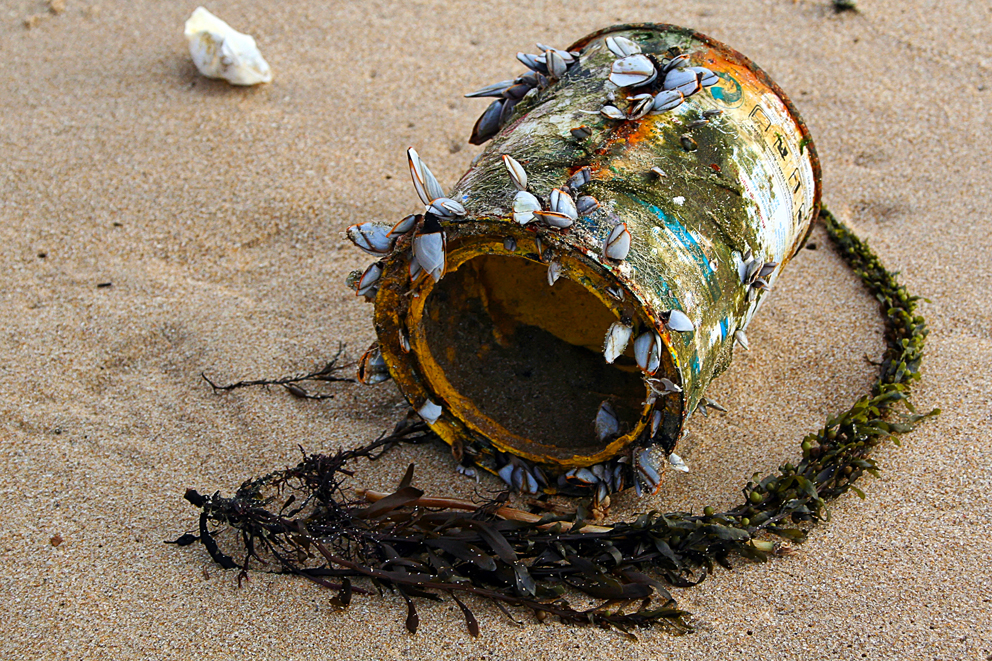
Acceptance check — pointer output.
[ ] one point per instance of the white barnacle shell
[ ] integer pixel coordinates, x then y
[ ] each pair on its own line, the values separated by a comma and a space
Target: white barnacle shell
373, 239
404, 226
562, 202
741, 338
617, 338
426, 184
555, 218
220, 51
666, 100
517, 173
647, 351
677, 463
369, 279
617, 243
556, 63
632, 70
667, 386
445, 207
612, 112
429, 251
622, 46
607, 425
682, 80
430, 412
524, 206
641, 106
554, 272
679, 321
706, 77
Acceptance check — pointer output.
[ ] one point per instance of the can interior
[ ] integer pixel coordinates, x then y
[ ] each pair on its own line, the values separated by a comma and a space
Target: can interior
523, 360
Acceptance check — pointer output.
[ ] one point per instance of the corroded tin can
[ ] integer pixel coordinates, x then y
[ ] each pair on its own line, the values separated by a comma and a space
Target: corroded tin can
717, 195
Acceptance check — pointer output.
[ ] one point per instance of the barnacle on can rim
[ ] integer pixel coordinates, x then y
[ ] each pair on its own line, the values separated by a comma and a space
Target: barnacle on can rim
506, 350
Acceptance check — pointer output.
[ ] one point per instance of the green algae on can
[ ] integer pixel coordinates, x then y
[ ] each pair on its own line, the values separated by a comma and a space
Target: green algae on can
716, 193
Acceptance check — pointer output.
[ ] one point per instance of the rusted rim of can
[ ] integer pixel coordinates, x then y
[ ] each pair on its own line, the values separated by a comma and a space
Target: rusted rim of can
762, 75
421, 379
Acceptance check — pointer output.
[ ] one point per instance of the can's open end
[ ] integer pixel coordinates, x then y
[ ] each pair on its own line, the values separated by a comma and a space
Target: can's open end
516, 360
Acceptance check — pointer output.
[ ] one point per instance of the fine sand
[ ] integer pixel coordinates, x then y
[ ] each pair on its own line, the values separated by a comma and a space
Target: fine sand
216, 215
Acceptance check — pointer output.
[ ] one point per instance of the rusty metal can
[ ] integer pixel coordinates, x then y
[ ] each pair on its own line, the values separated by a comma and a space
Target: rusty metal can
713, 181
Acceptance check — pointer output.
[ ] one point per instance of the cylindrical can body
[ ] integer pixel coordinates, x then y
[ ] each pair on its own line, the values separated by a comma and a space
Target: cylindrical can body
717, 195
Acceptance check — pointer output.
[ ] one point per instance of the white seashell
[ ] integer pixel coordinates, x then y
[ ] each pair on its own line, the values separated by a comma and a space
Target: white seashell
557, 66
706, 77
369, 279
677, 463
373, 239
404, 226
524, 206
424, 181
563, 54
445, 207
682, 80
612, 112
506, 474
586, 204
678, 321
430, 412
615, 292
617, 243
404, 341
622, 46
582, 176
632, 70
741, 339
641, 107
676, 61
554, 219
496, 90
646, 470
429, 250
561, 202
554, 272
617, 338
666, 100
220, 51
656, 419
532, 62
517, 173
607, 426
647, 351
666, 384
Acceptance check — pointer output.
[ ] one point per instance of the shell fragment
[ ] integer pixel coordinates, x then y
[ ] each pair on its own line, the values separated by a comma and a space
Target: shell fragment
220, 51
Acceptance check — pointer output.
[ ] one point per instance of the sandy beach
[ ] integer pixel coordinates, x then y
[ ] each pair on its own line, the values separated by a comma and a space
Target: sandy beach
155, 225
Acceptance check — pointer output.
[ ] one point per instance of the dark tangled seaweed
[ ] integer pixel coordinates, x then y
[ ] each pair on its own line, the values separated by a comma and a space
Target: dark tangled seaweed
301, 520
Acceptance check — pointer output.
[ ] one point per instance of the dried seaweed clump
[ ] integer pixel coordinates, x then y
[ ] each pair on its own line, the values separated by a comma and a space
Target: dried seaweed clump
302, 521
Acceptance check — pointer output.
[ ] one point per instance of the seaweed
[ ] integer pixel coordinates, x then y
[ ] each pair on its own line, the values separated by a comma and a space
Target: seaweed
303, 520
